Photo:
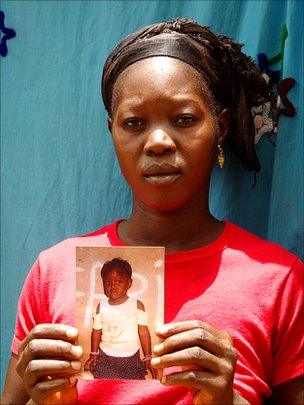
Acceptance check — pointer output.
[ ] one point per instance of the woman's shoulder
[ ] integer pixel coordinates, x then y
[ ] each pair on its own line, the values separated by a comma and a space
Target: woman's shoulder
257, 248
99, 237
56, 264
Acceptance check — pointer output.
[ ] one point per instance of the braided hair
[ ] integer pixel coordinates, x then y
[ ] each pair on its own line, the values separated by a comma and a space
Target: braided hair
232, 77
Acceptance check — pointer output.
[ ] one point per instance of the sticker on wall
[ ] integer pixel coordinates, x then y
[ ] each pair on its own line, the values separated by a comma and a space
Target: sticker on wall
6, 34
266, 116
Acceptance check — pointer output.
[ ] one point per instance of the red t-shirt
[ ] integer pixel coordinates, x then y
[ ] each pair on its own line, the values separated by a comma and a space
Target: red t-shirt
239, 283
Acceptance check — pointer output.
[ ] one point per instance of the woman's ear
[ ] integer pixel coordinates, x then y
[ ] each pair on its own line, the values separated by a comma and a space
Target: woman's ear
110, 124
224, 123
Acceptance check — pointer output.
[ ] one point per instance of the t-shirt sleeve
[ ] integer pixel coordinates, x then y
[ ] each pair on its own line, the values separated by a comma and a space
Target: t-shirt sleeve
32, 307
288, 328
97, 321
142, 317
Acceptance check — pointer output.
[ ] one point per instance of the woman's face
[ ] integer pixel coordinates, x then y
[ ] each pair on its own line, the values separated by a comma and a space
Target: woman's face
165, 133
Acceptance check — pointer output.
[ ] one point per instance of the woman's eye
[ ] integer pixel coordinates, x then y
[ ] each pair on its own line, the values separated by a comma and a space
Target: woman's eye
134, 123
185, 120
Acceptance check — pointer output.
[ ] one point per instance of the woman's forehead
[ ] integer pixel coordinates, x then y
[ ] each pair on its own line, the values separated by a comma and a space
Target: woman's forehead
163, 76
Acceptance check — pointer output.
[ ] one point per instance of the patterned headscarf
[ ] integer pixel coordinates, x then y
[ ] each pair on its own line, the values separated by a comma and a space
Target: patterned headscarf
232, 77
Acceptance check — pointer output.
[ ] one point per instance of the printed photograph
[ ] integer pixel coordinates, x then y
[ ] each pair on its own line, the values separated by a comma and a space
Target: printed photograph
119, 304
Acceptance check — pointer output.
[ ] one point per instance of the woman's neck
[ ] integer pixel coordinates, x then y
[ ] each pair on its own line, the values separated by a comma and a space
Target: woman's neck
187, 228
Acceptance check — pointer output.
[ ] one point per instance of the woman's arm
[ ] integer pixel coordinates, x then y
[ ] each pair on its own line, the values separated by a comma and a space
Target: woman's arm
46, 365
14, 392
290, 392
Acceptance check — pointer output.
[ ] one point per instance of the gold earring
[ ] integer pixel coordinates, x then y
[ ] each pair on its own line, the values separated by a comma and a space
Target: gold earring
220, 156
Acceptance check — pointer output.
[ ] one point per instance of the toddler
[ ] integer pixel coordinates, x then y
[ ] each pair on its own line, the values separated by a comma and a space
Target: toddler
119, 324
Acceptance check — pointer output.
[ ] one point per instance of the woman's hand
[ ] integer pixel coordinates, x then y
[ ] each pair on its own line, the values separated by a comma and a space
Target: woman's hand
47, 363
150, 369
92, 361
207, 358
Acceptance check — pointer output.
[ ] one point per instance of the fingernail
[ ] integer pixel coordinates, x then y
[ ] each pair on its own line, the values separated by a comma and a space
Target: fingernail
155, 361
76, 365
76, 351
73, 380
158, 348
71, 332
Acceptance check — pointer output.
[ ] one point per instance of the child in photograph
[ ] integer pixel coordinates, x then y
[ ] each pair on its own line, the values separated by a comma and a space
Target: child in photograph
118, 326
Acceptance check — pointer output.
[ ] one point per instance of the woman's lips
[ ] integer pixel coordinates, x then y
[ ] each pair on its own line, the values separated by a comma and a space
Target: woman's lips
161, 174
162, 179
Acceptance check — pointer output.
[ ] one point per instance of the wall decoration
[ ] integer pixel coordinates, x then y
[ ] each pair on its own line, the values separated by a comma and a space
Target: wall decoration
6, 34
266, 117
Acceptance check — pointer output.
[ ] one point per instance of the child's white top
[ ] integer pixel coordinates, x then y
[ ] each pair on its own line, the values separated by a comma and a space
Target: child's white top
119, 324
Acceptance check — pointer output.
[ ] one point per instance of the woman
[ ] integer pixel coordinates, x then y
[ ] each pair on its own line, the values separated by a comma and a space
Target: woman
175, 92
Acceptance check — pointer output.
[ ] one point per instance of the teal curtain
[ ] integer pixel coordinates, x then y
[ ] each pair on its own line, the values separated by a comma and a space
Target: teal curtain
60, 176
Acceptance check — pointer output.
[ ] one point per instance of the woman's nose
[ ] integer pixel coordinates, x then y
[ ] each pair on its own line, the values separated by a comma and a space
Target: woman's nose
158, 143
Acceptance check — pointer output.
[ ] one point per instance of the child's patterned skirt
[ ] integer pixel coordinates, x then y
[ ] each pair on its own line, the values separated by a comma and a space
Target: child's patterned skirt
124, 368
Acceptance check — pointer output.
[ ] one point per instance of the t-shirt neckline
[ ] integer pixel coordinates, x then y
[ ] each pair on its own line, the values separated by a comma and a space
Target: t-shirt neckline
217, 245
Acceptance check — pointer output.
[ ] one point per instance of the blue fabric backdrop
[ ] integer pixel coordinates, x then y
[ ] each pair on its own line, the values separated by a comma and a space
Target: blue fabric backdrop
59, 173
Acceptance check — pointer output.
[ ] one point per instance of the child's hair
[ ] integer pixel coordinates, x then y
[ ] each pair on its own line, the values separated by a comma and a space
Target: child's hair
118, 264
